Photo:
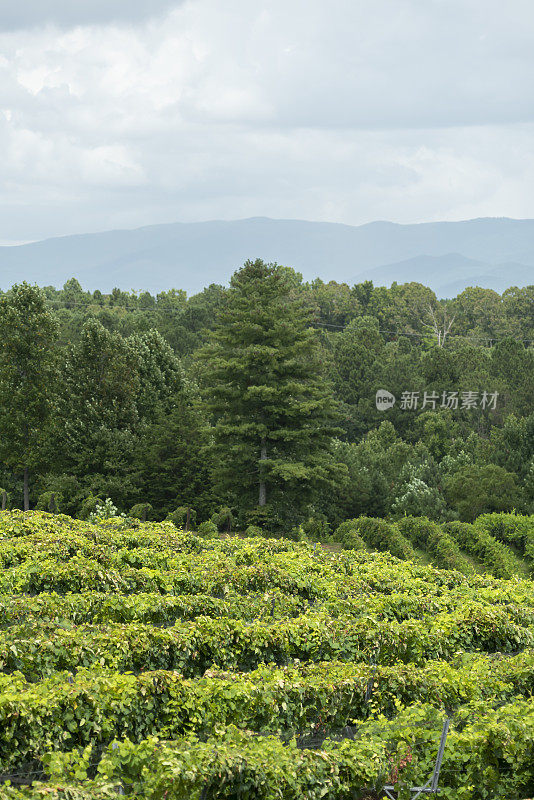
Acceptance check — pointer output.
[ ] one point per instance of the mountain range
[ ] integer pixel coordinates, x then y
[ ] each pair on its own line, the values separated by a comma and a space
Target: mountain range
494, 253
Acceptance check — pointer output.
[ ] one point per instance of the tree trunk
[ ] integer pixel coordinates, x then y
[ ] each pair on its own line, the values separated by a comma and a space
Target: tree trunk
263, 488
26, 491
187, 518
4, 500
52, 504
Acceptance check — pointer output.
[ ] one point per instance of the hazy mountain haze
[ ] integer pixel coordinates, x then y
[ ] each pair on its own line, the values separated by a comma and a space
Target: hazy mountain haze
447, 256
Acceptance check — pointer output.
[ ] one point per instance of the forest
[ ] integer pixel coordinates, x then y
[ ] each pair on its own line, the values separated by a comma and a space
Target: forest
256, 404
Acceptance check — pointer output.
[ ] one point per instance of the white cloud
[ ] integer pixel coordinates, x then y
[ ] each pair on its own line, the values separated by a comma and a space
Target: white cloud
400, 109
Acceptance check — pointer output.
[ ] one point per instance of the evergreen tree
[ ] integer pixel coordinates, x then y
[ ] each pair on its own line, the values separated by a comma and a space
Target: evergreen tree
170, 462
356, 352
126, 426
272, 408
93, 439
28, 333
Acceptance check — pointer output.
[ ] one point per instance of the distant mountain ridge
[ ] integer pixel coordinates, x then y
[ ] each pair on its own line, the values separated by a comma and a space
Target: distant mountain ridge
447, 256
451, 273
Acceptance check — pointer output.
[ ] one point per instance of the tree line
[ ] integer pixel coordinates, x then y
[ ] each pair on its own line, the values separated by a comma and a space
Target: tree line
257, 401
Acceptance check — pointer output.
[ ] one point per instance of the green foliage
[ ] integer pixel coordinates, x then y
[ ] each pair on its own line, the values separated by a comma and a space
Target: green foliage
270, 402
296, 534
89, 506
529, 487
282, 702
416, 498
179, 517
342, 529
126, 423
117, 630
171, 461
5, 499
121, 415
27, 373
353, 541
208, 530
179, 658
429, 536
378, 535
356, 351
316, 528
509, 528
253, 530
223, 519
495, 557
269, 518
512, 529
49, 501
142, 511
476, 490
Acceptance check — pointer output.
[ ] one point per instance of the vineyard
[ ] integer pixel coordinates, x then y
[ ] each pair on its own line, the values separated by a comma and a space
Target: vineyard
140, 660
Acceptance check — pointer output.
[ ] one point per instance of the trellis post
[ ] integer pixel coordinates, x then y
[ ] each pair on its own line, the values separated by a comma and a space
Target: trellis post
431, 786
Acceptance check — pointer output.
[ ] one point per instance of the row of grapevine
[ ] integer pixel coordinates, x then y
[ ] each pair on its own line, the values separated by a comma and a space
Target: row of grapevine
500, 544
94, 707
144, 660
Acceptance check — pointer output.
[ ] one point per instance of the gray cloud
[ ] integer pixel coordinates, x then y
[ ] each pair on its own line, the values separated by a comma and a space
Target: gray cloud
66, 13
407, 110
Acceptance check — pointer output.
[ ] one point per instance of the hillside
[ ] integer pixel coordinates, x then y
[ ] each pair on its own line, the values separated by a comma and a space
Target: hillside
447, 256
140, 659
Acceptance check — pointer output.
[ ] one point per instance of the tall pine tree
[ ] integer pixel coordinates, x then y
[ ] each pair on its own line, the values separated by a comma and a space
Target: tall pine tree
273, 412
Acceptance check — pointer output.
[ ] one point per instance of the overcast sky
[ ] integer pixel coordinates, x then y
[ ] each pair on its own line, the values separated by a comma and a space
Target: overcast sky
121, 113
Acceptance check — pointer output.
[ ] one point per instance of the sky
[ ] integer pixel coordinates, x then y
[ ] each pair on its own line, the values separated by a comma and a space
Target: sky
123, 113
